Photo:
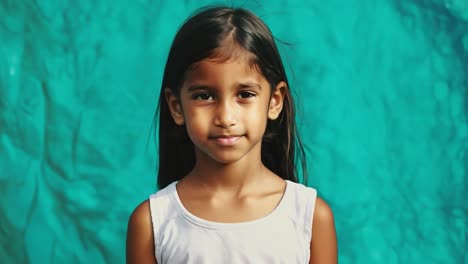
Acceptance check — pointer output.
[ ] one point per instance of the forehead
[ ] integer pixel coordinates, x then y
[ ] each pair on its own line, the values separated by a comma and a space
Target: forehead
217, 72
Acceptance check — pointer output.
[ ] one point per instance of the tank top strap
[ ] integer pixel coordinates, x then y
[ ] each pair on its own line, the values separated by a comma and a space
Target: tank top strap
301, 205
161, 209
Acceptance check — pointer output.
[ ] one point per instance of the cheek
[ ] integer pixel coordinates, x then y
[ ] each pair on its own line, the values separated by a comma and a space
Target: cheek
196, 124
258, 117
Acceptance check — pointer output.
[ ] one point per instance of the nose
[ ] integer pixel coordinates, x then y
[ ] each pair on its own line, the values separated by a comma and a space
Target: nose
225, 115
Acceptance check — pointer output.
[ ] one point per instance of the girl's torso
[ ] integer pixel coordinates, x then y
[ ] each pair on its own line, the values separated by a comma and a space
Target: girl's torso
282, 236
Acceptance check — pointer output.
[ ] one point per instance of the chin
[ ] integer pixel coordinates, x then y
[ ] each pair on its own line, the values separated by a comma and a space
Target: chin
226, 156
227, 159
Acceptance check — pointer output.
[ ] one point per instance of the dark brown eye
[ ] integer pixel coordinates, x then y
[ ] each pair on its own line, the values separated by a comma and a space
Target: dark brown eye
202, 96
245, 95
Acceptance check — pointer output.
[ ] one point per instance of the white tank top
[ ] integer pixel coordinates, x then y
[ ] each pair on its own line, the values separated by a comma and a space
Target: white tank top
282, 236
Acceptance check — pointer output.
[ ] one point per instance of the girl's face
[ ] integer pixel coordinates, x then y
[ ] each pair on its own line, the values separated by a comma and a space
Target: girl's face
225, 107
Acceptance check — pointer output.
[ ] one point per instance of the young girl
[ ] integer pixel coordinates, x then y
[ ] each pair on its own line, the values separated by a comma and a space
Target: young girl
227, 150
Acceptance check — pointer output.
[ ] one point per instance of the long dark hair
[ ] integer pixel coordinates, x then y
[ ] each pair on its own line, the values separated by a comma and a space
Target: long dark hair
197, 39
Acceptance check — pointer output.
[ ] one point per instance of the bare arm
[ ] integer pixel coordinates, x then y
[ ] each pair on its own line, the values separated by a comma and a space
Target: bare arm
140, 242
323, 246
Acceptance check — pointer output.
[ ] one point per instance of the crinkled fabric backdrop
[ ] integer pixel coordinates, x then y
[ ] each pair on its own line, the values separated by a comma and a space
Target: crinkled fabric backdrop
381, 87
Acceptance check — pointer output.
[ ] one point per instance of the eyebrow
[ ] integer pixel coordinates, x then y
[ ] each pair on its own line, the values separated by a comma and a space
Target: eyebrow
250, 84
198, 87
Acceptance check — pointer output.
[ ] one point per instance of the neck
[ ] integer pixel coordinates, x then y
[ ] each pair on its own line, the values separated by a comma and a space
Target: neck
235, 175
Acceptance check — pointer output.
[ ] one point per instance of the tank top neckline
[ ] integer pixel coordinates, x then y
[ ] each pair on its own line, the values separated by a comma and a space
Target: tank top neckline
175, 199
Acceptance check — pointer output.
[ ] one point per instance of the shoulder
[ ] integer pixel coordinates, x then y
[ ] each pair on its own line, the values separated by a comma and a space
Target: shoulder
323, 214
323, 245
140, 245
140, 219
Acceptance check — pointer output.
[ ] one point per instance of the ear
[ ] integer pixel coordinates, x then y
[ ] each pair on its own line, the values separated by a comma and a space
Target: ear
174, 106
276, 100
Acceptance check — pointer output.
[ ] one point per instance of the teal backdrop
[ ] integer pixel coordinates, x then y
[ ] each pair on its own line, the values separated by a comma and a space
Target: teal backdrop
382, 92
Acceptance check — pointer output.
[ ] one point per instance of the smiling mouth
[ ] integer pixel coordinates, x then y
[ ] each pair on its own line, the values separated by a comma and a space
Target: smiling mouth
226, 140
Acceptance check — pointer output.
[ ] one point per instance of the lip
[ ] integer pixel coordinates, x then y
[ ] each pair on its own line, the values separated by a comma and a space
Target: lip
225, 140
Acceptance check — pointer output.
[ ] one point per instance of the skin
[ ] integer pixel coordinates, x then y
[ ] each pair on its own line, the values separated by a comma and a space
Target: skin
225, 107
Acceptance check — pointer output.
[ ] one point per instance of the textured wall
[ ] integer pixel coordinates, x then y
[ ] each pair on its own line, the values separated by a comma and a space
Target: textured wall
382, 87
